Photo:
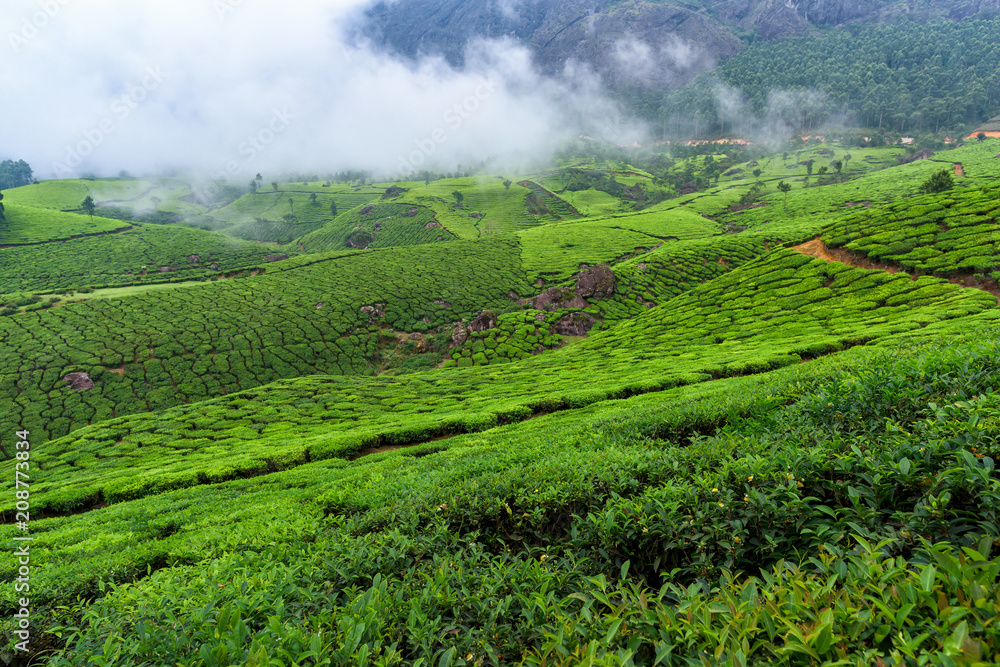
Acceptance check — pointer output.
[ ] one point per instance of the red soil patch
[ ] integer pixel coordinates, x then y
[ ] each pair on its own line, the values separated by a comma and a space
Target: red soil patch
816, 248
120, 371
959, 170
974, 135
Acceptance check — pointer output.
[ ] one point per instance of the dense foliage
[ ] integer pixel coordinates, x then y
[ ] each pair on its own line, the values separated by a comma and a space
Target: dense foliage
753, 457
944, 235
904, 77
15, 174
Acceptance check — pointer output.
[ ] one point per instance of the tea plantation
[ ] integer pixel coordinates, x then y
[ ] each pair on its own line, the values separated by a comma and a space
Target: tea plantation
141, 255
490, 420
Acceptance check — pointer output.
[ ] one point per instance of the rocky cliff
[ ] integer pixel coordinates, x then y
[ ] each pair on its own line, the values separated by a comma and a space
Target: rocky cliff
647, 42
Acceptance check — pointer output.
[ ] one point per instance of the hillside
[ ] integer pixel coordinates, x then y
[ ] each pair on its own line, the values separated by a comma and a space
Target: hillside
884, 63
557, 31
564, 417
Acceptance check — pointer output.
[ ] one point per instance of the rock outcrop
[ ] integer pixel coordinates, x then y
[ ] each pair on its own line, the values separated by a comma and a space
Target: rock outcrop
79, 381
486, 319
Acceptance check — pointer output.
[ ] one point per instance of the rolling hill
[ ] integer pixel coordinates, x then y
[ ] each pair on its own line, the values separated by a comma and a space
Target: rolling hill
736, 426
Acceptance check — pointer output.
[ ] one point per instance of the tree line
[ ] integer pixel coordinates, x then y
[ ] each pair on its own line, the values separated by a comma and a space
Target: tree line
904, 77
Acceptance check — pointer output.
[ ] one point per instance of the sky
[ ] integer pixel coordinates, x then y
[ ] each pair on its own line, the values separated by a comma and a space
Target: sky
229, 88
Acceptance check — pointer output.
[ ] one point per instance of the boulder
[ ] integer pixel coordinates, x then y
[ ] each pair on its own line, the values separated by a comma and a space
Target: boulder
558, 298
919, 155
460, 335
597, 282
412, 213
79, 381
276, 258
486, 319
575, 324
375, 311
368, 210
194, 259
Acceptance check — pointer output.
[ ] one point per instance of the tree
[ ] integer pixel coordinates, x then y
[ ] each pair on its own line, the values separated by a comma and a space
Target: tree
458, 198
15, 174
288, 218
253, 187
785, 187
313, 198
981, 136
507, 183
291, 204
88, 205
939, 181
809, 167
838, 166
2, 216
333, 208
274, 184
757, 173
847, 159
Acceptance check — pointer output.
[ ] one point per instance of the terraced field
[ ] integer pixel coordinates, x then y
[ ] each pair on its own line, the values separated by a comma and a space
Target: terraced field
165, 348
383, 225
26, 226
950, 236
140, 255
262, 216
767, 314
754, 456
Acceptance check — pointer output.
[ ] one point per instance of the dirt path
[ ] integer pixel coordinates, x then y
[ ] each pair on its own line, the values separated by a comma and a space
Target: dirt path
816, 248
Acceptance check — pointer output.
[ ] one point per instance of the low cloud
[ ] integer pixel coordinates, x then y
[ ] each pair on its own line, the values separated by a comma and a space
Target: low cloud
786, 114
668, 62
237, 87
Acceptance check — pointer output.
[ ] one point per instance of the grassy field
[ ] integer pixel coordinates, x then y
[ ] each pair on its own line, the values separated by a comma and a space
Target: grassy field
383, 225
159, 349
25, 225
754, 457
142, 254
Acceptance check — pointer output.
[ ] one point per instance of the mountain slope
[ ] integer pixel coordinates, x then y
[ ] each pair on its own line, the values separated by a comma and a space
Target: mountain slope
686, 36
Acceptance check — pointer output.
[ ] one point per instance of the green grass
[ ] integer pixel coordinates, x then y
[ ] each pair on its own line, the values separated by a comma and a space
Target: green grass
945, 234
396, 227
501, 210
119, 259
751, 445
261, 216
766, 314
765, 509
178, 346
25, 225
62, 195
